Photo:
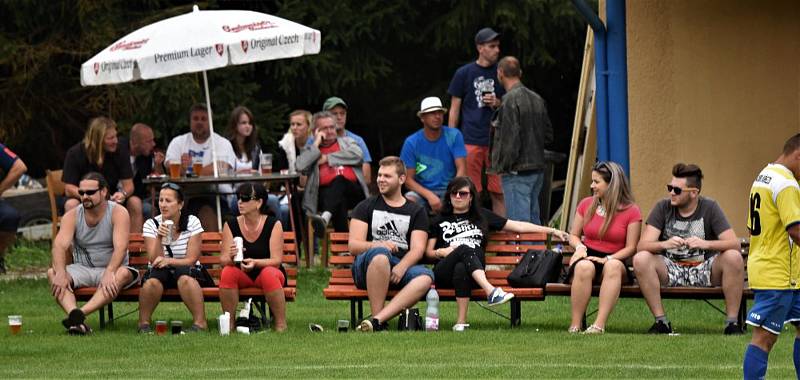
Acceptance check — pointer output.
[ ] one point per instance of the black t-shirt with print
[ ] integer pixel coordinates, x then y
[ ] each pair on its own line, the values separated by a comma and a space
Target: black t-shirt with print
394, 224
457, 229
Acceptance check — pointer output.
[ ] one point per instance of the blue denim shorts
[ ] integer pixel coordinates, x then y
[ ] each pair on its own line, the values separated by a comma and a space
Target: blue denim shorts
772, 308
363, 260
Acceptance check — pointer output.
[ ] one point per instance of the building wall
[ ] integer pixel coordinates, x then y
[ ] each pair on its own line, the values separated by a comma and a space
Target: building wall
716, 83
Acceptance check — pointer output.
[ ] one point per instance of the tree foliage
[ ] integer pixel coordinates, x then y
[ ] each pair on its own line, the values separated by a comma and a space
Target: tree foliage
381, 56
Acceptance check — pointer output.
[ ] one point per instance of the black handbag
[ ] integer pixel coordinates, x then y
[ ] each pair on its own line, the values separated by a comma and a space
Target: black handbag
536, 269
410, 320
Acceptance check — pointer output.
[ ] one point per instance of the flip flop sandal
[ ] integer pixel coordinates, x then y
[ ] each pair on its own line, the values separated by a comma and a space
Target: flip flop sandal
81, 329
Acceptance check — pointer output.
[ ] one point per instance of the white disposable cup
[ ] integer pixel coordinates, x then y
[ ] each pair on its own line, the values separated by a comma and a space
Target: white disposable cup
239, 249
225, 324
167, 240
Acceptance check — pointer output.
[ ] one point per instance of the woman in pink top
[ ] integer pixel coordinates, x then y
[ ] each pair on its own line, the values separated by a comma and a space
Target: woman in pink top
604, 234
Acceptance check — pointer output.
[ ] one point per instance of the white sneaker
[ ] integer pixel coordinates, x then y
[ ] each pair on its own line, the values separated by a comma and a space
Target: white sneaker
460, 327
499, 297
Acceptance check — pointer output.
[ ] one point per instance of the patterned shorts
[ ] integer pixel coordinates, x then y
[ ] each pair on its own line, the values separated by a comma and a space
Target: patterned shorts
682, 275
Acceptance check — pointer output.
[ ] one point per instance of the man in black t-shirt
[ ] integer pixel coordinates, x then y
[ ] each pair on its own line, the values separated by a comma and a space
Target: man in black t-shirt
115, 168
689, 242
144, 161
388, 234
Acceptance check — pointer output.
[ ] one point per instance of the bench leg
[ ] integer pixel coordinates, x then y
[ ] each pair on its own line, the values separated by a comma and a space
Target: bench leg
743, 314
516, 312
360, 310
111, 313
352, 314
103, 317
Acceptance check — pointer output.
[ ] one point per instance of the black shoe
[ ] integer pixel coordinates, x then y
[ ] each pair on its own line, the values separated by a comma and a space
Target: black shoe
75, 318
660, 328
319, 225
2, 265
734, 328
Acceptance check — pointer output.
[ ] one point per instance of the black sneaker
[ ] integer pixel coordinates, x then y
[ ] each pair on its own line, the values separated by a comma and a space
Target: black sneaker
75, 318
734, 328
660, 328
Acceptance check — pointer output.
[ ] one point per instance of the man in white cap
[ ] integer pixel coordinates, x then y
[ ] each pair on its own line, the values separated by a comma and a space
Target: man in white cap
476, 93
433, 156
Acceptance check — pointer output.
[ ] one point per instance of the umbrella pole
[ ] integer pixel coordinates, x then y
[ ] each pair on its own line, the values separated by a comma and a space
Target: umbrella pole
213, 145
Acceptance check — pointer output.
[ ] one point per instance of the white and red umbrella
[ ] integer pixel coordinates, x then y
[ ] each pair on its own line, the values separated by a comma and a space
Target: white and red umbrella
197, 42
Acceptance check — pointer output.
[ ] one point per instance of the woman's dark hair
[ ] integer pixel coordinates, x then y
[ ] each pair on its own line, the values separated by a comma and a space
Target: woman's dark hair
249, 141
474, 214
183, 220
255, 190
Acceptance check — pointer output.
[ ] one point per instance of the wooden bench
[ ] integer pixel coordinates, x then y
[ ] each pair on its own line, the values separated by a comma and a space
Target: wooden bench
210, 258
677, 292
504, 250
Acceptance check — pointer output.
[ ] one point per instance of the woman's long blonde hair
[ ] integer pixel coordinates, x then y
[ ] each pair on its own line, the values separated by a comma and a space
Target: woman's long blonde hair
93, 139
617, 197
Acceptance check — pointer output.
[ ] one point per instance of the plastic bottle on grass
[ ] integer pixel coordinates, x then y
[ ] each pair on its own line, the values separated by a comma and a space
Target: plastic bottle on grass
432, 313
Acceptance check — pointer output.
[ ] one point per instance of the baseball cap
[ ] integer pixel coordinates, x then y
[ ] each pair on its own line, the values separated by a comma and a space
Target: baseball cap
333, 101
485, 35
430, 104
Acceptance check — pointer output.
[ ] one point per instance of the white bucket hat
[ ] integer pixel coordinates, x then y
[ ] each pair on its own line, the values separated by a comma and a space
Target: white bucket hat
430, 104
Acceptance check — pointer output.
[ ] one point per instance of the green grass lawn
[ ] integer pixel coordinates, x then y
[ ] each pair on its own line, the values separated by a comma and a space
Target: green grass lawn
540, 348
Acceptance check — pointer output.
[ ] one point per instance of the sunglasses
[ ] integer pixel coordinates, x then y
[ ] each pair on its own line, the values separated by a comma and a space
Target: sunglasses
171, 186
459, 194
247, 198
88, 193
678, 190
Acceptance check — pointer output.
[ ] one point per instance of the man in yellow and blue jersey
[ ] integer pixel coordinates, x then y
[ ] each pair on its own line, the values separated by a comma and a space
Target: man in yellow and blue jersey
774, 264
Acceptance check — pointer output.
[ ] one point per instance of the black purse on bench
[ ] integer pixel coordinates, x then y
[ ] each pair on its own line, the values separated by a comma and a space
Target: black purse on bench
536, 269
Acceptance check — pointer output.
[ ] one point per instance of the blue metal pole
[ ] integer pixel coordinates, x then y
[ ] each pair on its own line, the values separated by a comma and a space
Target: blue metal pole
617, 84
601, 78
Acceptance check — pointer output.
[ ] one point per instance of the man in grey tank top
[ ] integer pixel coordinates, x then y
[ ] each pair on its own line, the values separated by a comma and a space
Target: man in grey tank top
98, 232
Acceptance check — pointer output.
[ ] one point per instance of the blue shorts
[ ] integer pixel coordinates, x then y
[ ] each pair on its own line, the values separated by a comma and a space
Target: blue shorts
363, 260
772, 308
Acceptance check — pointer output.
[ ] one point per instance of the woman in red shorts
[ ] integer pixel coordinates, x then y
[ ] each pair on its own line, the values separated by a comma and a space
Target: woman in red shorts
262, 236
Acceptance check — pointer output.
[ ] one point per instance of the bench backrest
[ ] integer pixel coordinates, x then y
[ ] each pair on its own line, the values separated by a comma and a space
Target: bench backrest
503, 251
209, 256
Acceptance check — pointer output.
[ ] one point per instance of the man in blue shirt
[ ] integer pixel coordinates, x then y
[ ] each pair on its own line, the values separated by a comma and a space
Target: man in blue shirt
338, 108
433, 156
476, 93
11, 168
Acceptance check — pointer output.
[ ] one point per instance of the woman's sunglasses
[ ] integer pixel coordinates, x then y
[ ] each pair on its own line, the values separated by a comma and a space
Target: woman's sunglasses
459, 194
171, 186
247, 198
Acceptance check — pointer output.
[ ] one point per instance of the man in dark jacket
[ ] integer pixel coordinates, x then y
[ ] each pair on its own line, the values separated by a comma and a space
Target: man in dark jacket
521, 129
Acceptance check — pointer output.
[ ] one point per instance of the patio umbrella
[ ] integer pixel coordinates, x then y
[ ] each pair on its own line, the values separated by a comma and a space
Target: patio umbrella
197, 42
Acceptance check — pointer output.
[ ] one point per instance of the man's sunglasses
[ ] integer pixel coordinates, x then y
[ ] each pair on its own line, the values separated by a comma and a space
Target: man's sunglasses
459, 194
88, 193
247, 198
678, 190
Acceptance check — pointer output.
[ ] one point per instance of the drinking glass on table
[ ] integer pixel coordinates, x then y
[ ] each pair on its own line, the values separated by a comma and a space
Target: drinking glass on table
266, 163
